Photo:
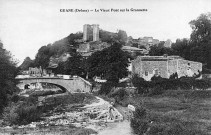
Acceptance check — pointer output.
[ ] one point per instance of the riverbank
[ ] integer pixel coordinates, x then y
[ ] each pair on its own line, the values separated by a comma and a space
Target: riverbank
91, 117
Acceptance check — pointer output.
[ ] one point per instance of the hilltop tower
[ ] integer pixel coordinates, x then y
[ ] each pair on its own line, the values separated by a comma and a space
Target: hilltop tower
91, 32
95, 32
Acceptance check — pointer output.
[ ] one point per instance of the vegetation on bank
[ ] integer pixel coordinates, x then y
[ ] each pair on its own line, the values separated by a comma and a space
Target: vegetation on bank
8, 71
173, 112
158, 85
25, 110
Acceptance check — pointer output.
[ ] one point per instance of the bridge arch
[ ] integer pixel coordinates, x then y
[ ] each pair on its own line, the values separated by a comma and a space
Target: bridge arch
71, 85
59, 86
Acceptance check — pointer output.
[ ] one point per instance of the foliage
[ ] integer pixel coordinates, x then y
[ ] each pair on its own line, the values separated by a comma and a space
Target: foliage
198, 48
140, 84
158, 85
160, 51
8, 71
201, 28
65, 45
106, 87
42, 58
182, 48
26, 64
118, 94
111, 63
106, 36
139, 122
21, 113
74, 65
42, 93
155, 122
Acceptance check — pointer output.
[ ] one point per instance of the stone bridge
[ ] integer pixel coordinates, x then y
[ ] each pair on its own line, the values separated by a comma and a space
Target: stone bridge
75, 84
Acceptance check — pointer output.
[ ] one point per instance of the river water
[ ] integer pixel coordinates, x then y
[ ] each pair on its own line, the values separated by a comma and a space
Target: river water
120, 128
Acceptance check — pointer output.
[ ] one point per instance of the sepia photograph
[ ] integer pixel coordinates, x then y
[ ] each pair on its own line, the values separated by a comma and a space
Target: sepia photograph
105, 67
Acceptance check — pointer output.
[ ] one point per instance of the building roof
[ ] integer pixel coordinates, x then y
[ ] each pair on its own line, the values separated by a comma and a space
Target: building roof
132, 48
159, 58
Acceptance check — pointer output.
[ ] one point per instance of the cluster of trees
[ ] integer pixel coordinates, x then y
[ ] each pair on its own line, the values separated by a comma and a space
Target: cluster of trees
197, 48
8, 72
111, 64
44, 54
158, 85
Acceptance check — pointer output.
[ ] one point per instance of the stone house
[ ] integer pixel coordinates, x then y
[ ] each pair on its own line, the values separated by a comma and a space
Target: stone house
134, 50
164, 66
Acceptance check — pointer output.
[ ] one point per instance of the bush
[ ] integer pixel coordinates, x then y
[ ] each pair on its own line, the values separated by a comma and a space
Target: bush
126, 101
141, 84
156, 90
42, 93
139, 122
106, 87
10, 115
28, 113
21, 113
118, 93
158, 85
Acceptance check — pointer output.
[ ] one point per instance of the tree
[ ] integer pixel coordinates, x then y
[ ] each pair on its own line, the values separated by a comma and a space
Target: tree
8, 71
201, 29
74, 65
182, 48
201, 39
43, 56
27, 63
160, 51
111, 63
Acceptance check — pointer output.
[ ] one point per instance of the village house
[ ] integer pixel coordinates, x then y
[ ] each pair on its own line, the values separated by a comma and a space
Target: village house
164, 66
134, 50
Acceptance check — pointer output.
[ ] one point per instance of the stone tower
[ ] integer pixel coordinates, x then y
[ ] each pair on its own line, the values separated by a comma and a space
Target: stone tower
91, 32
95, 32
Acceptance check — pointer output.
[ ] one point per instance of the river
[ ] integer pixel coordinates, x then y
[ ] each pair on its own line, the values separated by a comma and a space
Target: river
120, 128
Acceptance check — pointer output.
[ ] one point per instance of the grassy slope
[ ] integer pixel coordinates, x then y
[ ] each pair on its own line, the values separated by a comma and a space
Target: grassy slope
192, 109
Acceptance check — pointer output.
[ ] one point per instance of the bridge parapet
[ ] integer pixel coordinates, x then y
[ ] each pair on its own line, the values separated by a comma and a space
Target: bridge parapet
73, 84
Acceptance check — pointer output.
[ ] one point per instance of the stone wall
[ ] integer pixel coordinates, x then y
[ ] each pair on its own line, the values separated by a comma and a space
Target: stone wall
76, 84
147, 69
148, 66
136, 67
172, 67
151, 67
185, 65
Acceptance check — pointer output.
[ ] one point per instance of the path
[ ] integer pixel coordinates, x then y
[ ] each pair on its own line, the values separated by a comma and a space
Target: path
120, 128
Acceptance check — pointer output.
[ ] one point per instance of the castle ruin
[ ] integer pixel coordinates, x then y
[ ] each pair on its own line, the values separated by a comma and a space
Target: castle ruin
91, 32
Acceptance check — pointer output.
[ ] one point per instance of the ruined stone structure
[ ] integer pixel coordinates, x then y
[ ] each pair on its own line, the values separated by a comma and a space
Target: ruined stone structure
87, 49
164, 66
91, 32
75, 84
143, 42
168, 43
35, 71
134, 50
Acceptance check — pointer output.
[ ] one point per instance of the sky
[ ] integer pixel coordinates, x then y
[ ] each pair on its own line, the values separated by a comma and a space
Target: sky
26, 25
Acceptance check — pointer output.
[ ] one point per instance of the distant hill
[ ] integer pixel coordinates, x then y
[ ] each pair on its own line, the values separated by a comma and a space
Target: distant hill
52, 54
26, 64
